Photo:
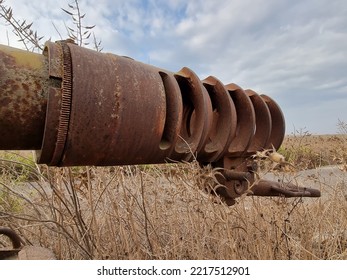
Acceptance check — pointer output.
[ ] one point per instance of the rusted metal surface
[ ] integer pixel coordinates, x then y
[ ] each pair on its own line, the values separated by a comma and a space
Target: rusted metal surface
81, 107
271, 188
224, 120
54, 56
23, 98
128, 106
277, 123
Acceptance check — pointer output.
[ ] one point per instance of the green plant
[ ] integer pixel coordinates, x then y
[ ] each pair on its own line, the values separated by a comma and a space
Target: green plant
9, 203
18, 166
80, 33
22, 29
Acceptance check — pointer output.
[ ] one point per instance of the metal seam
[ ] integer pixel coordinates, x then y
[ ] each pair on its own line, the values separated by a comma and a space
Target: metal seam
65, 110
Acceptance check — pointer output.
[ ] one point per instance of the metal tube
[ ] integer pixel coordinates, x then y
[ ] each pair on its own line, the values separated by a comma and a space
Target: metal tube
24, 85
81, 107
76, 106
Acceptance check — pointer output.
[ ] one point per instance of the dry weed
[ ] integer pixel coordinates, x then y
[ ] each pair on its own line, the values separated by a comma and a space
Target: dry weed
164, 212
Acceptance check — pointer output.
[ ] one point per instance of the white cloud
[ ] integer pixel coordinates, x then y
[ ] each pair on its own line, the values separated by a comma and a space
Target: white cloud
293, 50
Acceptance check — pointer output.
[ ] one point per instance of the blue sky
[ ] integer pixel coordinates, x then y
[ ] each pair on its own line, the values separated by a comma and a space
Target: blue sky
294, 51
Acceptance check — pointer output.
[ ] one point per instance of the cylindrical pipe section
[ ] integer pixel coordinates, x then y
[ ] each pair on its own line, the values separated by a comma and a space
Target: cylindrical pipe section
118, 110
81, 107
24, 83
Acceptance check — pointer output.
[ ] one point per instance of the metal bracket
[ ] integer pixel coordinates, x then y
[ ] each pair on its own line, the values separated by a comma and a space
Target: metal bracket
271, 188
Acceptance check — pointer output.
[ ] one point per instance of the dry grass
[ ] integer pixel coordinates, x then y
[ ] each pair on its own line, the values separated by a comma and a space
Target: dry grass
308, 151
161, 212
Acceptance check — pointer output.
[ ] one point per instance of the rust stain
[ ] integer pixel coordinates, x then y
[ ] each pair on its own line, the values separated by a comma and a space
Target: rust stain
104, 109
22, 79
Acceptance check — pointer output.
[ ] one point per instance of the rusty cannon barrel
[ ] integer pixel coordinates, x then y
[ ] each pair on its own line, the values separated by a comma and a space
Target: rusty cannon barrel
76, 106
